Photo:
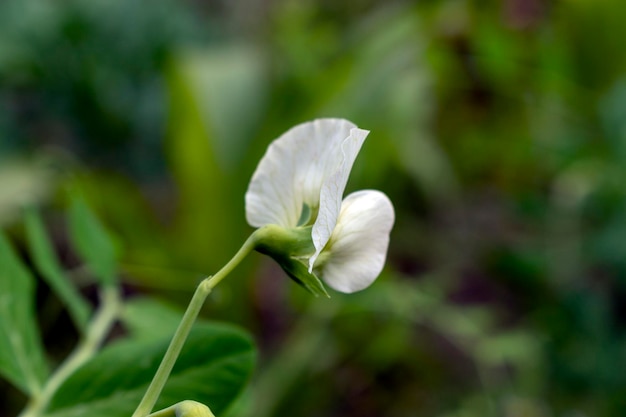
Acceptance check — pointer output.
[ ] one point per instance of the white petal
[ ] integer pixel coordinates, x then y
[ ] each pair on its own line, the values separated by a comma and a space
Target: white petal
332, 192
358, 246
293, 170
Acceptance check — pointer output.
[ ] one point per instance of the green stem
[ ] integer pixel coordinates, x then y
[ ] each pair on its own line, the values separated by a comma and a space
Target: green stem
98, 329
167, 363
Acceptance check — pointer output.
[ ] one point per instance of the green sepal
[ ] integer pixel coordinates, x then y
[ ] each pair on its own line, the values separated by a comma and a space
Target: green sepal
288, 247
301, 275
275, 241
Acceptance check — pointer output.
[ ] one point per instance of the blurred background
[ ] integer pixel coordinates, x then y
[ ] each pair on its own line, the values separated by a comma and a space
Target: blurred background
498, 131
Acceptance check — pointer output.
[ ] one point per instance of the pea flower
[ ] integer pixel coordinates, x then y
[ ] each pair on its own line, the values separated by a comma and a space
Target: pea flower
295, 199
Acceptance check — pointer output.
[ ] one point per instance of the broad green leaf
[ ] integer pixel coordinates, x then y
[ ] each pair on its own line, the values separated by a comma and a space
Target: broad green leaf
213, 368
48, 265
21, 353
92, 242
150, 319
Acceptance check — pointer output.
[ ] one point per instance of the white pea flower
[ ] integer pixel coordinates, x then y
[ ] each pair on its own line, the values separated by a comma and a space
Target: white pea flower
295, 199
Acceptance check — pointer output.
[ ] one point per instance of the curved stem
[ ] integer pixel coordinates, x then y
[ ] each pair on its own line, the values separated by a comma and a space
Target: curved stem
98, 329
180, 336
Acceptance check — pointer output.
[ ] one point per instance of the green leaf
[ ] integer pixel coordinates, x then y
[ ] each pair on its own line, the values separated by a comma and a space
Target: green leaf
217, 98
21, 353
150, 319
92, 242
213, 368
48, 265
203, 225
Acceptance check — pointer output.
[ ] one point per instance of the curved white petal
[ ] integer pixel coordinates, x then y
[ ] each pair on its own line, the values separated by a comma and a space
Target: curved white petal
332, 192
293, 170
358, 246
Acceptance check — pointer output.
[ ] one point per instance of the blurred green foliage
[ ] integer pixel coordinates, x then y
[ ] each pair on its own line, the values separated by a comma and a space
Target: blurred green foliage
498, 131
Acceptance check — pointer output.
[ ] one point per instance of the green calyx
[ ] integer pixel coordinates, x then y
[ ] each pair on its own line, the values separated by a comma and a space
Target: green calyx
274, 240
291, 248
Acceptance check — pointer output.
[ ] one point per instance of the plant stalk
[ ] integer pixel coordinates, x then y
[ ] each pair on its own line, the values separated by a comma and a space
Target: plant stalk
180, 336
